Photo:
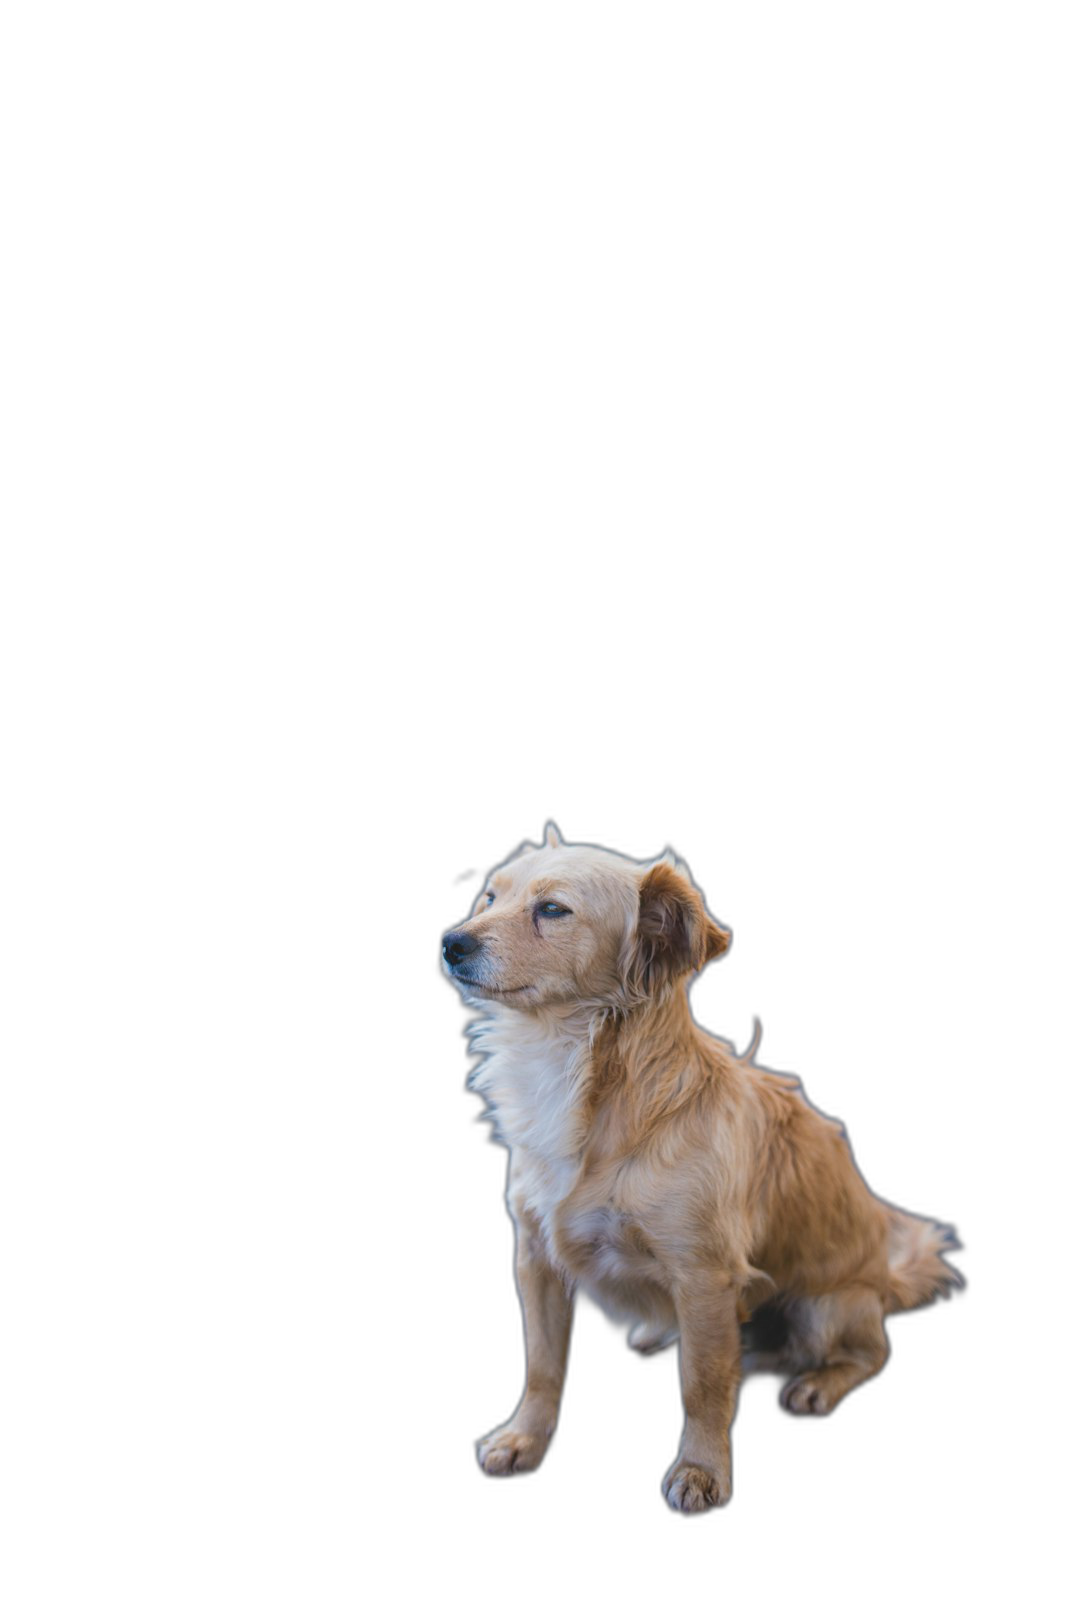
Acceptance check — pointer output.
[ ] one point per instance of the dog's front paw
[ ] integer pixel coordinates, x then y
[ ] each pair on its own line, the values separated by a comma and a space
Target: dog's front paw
689, 1487
509, 1449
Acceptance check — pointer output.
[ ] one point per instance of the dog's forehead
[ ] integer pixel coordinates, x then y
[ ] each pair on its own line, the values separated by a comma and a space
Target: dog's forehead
573, 864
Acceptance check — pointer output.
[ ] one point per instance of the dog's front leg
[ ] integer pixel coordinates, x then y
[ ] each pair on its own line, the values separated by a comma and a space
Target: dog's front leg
700, 1476
547, 1304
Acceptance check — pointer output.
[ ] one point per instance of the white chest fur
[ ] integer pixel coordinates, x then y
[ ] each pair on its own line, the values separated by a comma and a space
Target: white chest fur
532, 1075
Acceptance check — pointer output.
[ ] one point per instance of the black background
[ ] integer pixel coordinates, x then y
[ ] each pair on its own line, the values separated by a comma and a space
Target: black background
841, 858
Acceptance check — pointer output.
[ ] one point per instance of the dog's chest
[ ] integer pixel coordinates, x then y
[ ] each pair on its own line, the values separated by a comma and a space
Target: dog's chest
585, 1228
588, 1230
604, 1245
536, 1105
535, 1090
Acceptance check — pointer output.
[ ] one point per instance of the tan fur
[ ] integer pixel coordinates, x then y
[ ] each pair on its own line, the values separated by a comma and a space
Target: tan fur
685, 1188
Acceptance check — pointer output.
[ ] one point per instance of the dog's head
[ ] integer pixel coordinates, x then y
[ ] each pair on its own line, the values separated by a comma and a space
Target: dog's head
564, 923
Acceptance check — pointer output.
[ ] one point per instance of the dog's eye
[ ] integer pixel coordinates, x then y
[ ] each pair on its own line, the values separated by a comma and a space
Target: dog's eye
490, 897
550, 908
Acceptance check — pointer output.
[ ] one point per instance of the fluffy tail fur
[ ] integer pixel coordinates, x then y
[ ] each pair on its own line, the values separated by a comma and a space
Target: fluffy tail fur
917, 1271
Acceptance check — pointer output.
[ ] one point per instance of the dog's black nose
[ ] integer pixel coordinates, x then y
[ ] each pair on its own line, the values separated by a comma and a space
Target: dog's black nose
455, 947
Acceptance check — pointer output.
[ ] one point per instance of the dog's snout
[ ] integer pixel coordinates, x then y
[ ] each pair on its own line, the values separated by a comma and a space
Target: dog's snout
456, 946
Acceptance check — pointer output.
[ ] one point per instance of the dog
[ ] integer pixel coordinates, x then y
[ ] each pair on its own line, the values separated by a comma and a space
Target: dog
685, 1188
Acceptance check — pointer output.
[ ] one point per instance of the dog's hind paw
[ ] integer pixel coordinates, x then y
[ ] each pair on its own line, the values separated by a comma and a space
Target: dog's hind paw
806, 1396
648, 1339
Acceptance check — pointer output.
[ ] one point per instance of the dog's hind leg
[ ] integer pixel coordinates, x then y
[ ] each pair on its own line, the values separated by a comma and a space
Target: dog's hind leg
844, 1335
774, 1361
766, 1340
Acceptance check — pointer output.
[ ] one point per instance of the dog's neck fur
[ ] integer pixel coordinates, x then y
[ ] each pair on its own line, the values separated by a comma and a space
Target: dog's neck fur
547, 1074
533, 1073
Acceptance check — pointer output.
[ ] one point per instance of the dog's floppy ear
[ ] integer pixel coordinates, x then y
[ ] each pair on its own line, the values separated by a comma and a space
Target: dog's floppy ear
675, 934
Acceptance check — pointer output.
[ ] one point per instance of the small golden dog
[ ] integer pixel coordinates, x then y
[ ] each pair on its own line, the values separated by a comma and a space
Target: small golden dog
687, 1189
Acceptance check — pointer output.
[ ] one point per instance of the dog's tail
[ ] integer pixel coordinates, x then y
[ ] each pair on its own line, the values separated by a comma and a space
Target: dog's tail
755, 1040
917, 1271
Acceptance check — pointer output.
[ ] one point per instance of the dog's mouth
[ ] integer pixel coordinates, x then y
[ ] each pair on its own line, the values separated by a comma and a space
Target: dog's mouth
489, 988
